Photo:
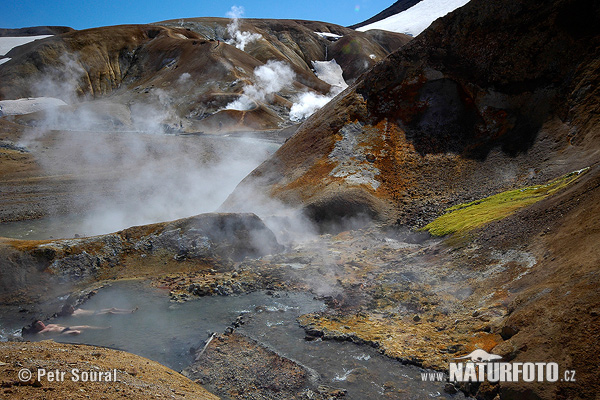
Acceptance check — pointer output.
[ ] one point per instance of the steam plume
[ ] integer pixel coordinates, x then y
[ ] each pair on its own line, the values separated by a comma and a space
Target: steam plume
124, 176
268, 79
239, 39
309, 102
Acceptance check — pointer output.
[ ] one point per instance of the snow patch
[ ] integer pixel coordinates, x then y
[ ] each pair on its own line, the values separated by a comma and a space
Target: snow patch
328, 35
417, 18
330, 72
309, 102
10, 42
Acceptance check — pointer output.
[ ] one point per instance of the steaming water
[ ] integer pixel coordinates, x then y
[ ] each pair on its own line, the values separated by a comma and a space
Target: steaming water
44, 228
135, 179
165, 332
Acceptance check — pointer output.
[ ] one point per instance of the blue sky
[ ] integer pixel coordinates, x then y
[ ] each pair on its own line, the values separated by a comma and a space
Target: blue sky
81, 14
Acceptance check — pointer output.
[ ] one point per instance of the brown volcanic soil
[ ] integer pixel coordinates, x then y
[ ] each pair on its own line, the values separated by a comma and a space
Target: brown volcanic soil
525, 288
35, 31
492, 97
137, 377
522, 287
295, 42
555, 309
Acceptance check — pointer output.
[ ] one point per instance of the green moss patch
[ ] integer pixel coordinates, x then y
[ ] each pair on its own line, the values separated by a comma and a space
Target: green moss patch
465, 217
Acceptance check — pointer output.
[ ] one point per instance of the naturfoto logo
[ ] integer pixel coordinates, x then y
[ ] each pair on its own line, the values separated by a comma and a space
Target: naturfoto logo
483, 366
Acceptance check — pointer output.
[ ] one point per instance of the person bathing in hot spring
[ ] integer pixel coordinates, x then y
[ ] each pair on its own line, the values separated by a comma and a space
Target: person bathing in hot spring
69, 310
39, 328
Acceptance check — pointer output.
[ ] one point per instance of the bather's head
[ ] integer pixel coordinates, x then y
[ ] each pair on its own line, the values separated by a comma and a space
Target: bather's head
38, 326
35, 327
67, 309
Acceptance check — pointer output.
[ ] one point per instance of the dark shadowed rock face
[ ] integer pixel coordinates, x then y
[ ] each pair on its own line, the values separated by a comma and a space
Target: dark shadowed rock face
488, 75
502, 87
234, 236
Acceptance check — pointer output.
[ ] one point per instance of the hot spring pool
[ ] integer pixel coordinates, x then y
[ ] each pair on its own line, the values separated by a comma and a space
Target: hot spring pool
165, 332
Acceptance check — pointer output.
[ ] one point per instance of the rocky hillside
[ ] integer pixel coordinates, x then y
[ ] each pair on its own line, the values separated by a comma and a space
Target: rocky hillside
35, 31
493, 96
190, 72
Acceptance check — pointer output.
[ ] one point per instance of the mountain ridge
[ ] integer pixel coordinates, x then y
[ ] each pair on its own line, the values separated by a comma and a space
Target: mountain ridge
396, 8
143, 63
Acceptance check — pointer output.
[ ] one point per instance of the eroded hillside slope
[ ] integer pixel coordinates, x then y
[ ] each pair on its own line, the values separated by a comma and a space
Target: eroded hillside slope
493, 96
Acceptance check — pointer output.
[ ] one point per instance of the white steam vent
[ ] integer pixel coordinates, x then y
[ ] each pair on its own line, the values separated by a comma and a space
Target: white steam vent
239, 39
309, 102
268, 79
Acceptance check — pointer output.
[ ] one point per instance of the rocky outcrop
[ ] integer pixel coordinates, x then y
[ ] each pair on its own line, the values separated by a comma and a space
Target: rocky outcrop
495, 96
202, 240
235, 365
487, 98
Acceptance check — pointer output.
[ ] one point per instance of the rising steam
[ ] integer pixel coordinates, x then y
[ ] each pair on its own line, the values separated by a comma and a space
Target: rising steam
126, 176
239, 39
309, 102
268, 79
121, 168
276, 75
